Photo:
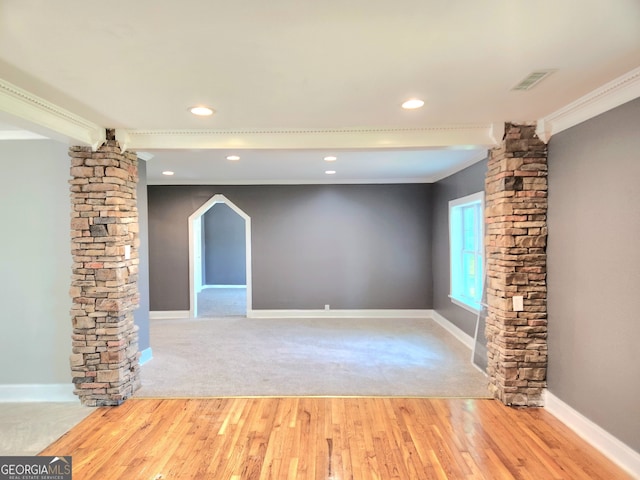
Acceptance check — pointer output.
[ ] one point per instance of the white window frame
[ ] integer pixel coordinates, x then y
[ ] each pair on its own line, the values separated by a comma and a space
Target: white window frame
456, 250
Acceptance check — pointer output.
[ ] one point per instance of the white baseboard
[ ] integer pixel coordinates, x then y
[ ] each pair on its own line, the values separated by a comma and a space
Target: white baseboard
617, 451
467, 340
145, 356
46, 392
165, 314
223, 286
339, 313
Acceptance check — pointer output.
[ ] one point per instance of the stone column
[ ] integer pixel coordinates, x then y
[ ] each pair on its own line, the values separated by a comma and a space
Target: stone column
515, 247
104, 245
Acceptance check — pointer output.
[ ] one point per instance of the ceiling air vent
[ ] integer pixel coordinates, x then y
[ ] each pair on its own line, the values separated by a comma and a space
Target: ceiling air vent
533, 79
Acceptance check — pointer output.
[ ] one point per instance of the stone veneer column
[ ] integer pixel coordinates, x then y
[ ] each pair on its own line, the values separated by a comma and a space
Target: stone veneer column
515, 246
104, 221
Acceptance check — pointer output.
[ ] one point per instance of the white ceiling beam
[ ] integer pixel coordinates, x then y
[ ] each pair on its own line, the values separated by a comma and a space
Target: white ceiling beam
20, 104
427, 137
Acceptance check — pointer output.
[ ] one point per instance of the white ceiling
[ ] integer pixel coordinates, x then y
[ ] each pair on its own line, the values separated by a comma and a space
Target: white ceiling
286, 66
308, 166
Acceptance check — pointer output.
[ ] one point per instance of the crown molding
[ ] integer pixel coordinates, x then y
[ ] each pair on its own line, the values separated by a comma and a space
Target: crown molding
26, 106
613, 94
482, 135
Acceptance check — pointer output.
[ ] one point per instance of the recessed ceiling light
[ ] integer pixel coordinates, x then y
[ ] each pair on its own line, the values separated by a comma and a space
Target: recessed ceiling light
330, 172
201, 111
330, 158
233, 158
413, 104
167, 172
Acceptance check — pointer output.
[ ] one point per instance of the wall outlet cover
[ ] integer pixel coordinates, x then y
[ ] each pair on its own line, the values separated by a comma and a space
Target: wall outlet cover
518, 303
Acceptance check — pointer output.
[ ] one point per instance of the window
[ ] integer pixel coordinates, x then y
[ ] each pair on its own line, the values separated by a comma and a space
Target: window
466, 230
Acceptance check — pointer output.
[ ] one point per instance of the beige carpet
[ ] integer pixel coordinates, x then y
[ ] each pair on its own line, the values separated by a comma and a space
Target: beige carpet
222, 302
27, 428
235, 356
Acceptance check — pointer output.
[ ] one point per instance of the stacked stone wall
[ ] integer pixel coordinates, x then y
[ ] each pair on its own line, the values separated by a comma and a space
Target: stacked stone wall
104, 228
515, 247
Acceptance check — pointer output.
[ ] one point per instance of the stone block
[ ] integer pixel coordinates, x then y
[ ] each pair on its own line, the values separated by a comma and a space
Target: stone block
533, 373
76, 359
525, 173
111, 356
517, 279
98, 231
106, 274
101, 161
84, 349
82, 172
515, 145
498, 303
84, 322
116, 229
109, 305
504, 241
526, 223
535, 183
531, 241
499, 209
108, 376
96, 187
117, 172
79, 223
516, 399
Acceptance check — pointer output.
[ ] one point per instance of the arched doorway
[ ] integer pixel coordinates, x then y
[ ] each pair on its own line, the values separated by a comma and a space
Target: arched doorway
195, 247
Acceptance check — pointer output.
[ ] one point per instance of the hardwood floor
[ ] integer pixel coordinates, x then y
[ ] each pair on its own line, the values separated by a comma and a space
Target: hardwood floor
327, 438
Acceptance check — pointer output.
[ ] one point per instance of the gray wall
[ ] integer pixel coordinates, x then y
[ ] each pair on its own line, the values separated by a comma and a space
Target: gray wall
224, 247
141, 315
349, 246
467, 181
594, 270
35, 263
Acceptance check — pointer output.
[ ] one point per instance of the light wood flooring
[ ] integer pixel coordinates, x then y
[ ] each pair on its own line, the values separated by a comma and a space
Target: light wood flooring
327, 438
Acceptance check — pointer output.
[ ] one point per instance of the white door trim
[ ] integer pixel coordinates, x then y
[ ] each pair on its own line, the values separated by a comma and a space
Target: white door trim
196, 216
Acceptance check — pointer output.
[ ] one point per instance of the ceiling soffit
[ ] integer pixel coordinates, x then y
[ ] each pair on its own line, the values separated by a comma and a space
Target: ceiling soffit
357, 138
27, 108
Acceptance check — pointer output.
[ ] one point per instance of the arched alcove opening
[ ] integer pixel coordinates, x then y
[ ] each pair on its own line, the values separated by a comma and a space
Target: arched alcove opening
195, 247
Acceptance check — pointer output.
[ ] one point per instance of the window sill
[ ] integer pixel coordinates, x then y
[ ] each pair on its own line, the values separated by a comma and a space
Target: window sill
466, 306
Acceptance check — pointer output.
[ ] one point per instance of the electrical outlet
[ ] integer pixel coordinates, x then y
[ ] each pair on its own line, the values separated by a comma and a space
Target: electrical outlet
327, 307
127, 252
518, 303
